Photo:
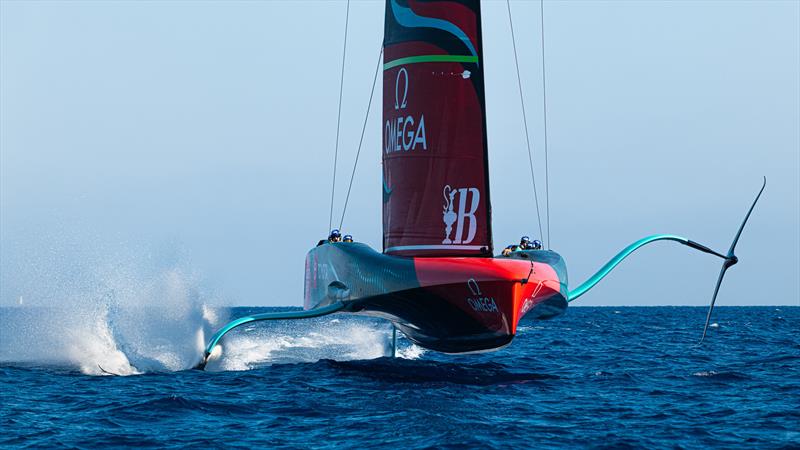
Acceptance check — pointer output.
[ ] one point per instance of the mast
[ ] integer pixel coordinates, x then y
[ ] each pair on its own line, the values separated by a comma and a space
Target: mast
435, 162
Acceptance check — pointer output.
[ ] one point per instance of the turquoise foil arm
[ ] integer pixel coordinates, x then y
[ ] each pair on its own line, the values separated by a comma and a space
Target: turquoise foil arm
606, 269
316, 312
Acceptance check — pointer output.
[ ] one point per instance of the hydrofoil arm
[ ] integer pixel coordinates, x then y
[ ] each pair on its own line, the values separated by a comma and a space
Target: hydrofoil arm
730, 259
288, 315
614, 262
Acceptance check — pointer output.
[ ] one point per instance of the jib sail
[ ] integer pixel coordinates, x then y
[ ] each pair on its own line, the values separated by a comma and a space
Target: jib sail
435, 174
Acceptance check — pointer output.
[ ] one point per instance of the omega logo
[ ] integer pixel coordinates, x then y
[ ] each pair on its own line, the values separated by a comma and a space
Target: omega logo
403, 133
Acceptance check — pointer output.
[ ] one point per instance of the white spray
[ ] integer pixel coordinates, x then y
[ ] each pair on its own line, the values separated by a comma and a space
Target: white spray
105, 313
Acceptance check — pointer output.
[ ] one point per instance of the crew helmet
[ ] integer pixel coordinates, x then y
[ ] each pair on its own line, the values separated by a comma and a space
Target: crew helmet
536, 244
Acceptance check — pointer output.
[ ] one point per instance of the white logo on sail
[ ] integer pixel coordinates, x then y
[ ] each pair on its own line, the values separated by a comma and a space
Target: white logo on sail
397, 103
404, 133
455, 212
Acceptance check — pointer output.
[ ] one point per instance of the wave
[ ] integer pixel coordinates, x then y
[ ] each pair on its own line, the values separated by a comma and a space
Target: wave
722, 376
396, 370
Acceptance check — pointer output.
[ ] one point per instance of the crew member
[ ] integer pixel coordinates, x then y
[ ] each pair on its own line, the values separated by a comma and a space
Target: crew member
335, 236
347, 238
525, 243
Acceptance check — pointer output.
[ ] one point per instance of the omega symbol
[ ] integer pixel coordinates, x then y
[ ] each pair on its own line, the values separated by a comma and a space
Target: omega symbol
397, 103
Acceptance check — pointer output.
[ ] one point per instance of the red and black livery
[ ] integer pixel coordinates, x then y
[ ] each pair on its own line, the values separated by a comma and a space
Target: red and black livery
436, 279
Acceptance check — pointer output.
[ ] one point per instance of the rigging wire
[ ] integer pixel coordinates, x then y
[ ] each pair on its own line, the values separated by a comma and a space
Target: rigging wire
363, 130
339, 116
544, 111
525, 120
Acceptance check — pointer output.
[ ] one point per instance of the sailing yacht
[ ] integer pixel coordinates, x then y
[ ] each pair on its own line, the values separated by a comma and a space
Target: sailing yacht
438, 279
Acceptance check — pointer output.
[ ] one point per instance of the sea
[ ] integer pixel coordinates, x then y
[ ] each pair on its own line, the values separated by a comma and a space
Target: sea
596, 377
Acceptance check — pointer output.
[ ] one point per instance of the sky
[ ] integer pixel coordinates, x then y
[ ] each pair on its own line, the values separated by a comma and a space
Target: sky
145, 136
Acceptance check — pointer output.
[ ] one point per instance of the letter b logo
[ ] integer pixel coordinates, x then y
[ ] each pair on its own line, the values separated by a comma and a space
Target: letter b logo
465, 202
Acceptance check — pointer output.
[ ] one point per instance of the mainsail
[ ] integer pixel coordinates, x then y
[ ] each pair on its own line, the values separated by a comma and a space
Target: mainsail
435, 172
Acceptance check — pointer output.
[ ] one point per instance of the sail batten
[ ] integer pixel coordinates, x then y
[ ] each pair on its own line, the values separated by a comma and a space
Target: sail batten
435, 175
430, 58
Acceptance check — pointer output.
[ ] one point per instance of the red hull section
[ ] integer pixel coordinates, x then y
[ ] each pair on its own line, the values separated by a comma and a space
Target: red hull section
490, 290
448, 304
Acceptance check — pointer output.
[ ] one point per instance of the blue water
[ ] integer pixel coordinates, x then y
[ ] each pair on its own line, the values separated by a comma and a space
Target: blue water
594, 378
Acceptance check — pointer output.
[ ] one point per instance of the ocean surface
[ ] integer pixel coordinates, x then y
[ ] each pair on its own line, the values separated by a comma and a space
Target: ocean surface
612, 377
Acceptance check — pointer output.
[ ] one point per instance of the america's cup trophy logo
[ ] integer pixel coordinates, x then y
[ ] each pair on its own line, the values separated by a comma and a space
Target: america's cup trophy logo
449, 215
456, 212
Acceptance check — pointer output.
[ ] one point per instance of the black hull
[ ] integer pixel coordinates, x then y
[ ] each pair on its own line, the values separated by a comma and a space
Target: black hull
432, 322
449, 304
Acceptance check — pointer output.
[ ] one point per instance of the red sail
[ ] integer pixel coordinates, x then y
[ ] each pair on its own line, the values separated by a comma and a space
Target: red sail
435, 173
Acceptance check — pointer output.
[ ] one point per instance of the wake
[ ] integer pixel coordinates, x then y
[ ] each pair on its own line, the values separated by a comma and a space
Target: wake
127, 326
305, 341
118, 311
131, 326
